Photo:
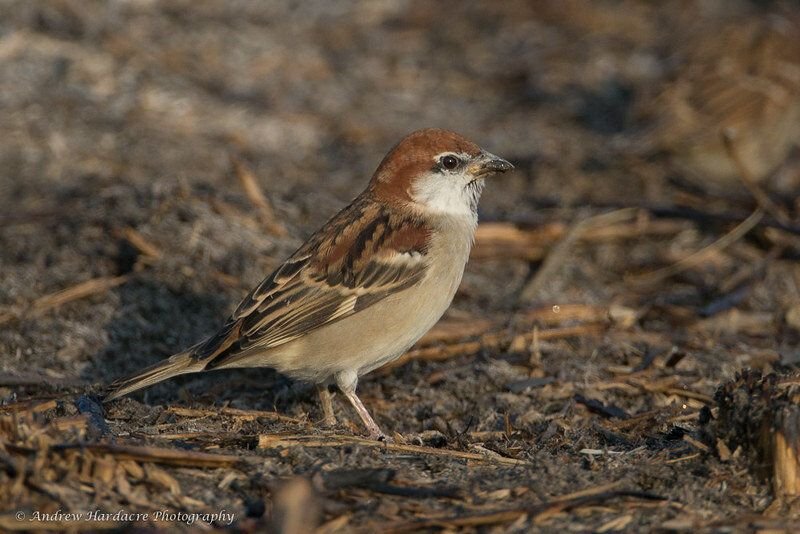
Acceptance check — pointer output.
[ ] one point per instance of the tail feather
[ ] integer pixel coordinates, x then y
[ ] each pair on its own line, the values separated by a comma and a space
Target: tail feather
179, 364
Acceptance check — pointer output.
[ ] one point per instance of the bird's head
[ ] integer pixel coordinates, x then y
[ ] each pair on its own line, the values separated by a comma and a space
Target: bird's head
436, 171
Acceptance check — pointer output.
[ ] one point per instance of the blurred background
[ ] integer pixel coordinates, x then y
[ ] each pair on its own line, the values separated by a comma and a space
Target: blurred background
158, 158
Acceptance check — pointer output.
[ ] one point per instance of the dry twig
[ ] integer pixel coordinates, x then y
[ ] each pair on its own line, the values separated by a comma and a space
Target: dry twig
492, 340
79, 291
140, 242
276, 441
246, 415
537, 513
158, 455
257, 197
697, 257
558, 254
505, 240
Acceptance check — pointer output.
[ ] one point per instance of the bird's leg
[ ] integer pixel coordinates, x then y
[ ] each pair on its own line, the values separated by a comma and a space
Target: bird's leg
374, 430
347, 382
327, 405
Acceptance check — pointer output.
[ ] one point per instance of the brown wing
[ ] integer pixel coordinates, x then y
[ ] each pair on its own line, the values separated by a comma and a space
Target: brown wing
362, 255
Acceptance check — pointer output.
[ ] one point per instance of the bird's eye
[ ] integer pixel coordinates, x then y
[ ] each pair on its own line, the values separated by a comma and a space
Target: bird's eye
449, 162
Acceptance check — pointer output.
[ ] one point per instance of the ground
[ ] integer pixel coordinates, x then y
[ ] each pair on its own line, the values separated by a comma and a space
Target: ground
159, 158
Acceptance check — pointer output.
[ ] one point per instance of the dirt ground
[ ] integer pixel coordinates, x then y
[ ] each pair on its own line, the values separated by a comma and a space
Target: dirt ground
630, 266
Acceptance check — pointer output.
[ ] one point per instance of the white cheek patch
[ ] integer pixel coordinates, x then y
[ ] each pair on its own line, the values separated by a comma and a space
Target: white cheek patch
448, 194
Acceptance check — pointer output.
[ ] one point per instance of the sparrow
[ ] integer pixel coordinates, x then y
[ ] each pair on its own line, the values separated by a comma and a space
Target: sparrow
742, 80
363, 288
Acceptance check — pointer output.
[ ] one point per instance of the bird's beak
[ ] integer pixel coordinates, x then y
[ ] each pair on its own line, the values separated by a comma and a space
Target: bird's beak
487, 163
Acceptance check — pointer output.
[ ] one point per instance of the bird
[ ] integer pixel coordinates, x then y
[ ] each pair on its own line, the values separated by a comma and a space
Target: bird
363, 288
742, 81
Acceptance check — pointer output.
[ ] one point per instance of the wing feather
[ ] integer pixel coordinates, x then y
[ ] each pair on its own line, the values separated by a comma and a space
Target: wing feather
357, 259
